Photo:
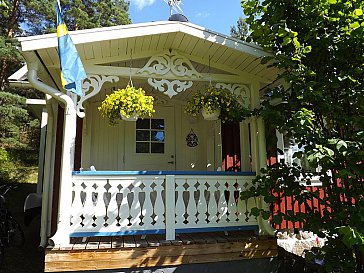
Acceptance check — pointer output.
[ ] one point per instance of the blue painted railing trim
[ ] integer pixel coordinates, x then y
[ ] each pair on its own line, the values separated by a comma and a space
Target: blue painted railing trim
118, 233
216, 229
115, 173
163, 231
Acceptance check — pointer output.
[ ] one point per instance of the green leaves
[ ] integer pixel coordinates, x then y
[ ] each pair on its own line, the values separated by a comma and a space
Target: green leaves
358, 12
354, 25
318, 47
350, 236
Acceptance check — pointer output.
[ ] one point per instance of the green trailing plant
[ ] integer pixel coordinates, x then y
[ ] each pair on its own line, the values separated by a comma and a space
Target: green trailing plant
128, 102
229, 104
318, 47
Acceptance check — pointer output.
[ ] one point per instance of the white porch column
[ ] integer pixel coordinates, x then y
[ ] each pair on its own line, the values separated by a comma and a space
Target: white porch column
170, 207
69, 132
259, 152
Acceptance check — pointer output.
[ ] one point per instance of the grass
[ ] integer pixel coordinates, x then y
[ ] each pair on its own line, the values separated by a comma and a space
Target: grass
25, 259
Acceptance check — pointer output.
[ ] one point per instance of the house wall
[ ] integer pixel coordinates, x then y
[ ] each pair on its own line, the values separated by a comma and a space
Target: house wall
105, 146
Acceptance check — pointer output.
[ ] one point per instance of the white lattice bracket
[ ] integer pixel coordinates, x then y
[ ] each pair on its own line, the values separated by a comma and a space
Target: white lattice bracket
94, 82
166, 65
170, 88
169, 63
241, 90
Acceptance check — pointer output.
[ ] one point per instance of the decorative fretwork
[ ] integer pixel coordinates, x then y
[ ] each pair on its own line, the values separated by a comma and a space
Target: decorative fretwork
170, 65
170, 88
94, 82
241, 90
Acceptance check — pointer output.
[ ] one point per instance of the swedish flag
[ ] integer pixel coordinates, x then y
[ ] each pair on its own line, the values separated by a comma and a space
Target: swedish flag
72, 71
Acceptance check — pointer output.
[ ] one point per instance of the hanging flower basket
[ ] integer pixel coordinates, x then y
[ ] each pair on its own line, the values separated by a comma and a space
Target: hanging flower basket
127, 104
216, 103
131, 118
214, 115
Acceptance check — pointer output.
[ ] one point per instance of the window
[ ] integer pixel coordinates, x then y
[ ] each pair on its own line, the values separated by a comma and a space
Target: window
150, 136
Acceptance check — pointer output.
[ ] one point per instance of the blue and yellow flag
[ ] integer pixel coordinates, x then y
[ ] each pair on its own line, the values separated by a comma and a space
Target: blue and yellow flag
72, 71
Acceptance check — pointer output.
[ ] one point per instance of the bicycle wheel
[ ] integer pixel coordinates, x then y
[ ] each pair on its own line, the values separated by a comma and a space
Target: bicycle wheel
15, 233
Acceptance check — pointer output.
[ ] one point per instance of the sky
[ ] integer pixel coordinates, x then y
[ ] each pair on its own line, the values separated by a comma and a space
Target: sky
216, 15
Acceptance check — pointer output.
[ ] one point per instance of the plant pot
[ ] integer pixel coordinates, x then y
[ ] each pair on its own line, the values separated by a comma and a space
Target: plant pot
131, 118
211, 116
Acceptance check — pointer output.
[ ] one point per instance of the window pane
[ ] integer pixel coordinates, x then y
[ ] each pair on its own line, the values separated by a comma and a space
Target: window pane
142, 147
157, 123
157, 135
143, 123
142, 135
157, 148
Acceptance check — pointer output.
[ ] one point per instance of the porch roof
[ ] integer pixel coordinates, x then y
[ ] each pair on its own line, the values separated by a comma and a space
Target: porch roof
114, 44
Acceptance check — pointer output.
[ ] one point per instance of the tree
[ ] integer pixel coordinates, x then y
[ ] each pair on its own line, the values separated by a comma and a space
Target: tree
80, 14
9, 27
14, 118
240, 31
19, 18
318, 46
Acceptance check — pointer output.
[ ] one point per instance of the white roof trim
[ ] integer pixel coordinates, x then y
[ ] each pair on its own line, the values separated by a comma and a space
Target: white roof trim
20, 74
135, 30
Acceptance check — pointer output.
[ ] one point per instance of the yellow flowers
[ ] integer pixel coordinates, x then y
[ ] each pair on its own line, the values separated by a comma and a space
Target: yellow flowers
213, 99
127, 102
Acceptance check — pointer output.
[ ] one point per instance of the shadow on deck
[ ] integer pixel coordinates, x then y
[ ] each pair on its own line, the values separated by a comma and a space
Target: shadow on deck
188, 253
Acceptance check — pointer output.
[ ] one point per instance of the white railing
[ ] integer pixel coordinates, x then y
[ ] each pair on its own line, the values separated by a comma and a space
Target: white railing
105, 204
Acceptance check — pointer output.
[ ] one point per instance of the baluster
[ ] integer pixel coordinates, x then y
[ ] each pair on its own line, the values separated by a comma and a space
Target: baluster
237, 200
221, 203
85, 196
202, 205
148, 207
125, 207
180, 205
106, 199
230, 201
191, 207
141, 198
118, 201
214, 201
133, 202
112, 209
159, 205
77, 205
99, 203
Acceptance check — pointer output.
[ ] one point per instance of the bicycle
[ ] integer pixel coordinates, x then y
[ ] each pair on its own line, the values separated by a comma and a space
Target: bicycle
11, 233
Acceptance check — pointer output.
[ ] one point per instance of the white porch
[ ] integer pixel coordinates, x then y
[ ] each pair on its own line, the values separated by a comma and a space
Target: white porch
148, 180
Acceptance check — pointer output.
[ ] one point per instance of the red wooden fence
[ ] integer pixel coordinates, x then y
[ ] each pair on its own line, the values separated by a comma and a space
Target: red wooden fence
286, 204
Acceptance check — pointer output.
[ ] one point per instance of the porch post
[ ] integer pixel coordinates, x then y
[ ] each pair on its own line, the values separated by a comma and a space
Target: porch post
260, 149
170, 207
61, 236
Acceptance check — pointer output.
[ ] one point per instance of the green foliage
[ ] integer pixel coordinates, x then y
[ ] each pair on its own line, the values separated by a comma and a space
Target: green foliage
14, 118
229, 104
318, 46
80, 14
241, 30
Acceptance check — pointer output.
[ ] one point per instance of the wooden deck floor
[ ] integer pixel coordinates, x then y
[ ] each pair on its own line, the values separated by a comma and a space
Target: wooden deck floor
99, 253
